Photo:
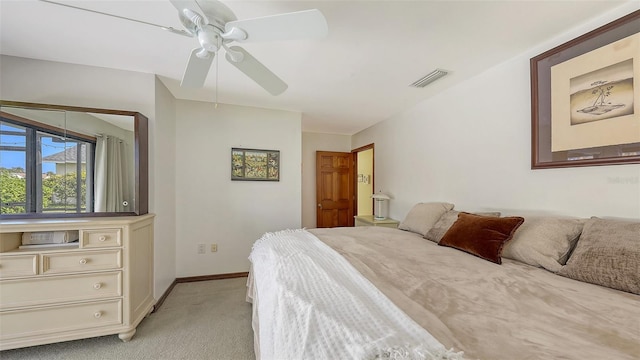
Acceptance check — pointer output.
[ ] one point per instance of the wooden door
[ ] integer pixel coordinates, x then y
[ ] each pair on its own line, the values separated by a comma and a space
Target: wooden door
334, 189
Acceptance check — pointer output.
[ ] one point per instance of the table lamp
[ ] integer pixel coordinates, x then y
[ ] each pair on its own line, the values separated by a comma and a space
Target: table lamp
380, 198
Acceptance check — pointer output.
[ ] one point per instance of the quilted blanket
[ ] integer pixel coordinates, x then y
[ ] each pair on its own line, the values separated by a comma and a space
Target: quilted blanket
314, 305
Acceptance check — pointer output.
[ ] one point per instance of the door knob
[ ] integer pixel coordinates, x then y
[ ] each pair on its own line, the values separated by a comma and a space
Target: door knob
320, 206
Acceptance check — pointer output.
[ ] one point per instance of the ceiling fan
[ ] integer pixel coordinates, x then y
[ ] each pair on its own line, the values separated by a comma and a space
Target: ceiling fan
216, 27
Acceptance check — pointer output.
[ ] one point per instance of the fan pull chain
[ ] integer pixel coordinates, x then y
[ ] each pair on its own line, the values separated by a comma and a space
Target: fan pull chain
217, 66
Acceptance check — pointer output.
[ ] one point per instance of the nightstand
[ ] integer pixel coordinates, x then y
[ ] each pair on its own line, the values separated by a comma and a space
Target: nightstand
368, 220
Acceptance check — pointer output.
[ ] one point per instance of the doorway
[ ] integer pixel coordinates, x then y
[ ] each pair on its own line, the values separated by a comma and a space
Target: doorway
334, 189
344, 185
364, 180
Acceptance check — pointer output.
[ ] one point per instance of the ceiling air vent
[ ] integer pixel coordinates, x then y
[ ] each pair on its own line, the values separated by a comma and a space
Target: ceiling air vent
429, 78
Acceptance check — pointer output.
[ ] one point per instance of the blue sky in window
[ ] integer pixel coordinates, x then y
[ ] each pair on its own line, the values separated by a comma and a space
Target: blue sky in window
12, 159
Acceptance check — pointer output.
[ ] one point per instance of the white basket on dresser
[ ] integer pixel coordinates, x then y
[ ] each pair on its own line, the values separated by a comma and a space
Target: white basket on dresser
101, 286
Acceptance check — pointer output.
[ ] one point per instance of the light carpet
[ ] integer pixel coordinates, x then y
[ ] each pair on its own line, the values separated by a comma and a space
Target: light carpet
198, 320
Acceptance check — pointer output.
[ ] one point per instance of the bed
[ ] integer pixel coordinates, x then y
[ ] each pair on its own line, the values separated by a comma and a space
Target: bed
444, 302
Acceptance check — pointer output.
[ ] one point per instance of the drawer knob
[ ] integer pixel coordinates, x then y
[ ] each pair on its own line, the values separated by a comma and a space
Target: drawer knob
97, 286
97, 314
83, 261
102, 238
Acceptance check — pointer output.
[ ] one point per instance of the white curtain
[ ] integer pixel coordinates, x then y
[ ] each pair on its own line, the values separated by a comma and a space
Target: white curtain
111, 181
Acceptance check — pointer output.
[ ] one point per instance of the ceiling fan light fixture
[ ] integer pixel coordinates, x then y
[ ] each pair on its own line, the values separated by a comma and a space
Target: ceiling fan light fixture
209, 39
429, 78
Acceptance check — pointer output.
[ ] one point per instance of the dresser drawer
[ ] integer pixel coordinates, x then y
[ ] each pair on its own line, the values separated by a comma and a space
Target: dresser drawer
57, 319
57, 289
68, 262
101, 238
18, 265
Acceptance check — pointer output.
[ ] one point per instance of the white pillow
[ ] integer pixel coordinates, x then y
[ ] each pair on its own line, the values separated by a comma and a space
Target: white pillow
423, 216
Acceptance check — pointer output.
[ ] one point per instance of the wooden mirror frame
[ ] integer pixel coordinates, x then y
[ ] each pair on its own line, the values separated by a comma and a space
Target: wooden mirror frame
141, 160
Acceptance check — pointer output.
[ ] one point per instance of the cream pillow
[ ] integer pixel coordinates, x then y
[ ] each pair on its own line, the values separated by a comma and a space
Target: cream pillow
544, 241
443, 224
423, 216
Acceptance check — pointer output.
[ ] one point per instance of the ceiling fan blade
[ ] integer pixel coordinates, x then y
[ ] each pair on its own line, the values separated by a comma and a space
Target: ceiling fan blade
176, 31
308, 24
167, 28
197, 69
256, 71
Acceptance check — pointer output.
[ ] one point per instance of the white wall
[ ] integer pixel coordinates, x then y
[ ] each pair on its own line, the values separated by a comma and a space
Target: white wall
210, 208
162, 158
312, 142
50, 82
470, 145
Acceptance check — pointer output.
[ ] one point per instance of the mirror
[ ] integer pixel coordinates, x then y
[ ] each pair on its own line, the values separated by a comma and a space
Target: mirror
66, 161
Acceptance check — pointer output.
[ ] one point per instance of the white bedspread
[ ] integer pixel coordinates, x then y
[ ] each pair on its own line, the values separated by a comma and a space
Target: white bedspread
314, 305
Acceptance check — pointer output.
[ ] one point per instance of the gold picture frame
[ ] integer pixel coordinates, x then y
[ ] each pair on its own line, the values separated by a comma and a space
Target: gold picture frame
585, 99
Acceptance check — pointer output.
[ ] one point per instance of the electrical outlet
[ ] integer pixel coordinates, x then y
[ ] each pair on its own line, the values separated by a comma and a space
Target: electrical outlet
201, 249
214, 247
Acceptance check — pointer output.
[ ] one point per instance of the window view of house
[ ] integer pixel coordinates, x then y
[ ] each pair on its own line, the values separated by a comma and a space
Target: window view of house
43, 172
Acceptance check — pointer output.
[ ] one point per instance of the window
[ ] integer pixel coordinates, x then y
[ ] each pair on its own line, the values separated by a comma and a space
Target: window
44, 170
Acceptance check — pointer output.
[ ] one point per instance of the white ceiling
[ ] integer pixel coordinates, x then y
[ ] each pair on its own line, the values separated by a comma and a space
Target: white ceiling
354, 78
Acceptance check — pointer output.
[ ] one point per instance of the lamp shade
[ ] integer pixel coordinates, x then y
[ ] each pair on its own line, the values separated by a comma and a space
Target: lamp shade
380, 196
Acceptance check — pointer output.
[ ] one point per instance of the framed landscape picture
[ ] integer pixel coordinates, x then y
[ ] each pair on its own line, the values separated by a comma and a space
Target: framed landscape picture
585, 99
253, 164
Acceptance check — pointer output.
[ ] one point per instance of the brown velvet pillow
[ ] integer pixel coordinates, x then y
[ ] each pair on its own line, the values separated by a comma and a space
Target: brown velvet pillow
446, 220
482, 236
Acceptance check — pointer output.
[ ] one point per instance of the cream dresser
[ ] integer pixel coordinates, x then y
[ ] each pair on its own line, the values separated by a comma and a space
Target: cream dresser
102, 285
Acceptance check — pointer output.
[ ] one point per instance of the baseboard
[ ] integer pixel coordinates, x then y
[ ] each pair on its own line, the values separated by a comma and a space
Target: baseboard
212, 277
193, 279
164, 296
